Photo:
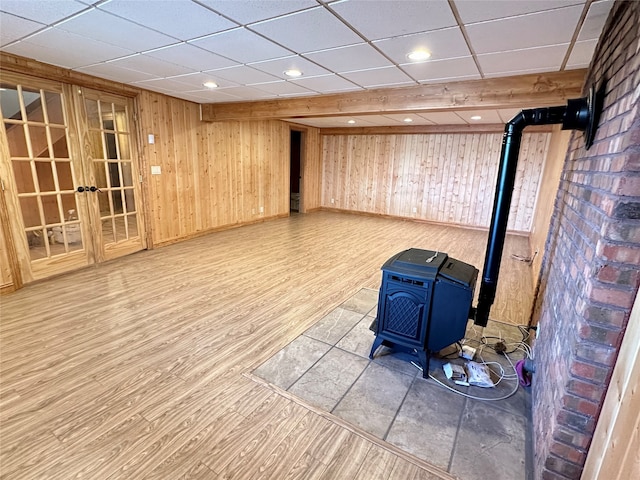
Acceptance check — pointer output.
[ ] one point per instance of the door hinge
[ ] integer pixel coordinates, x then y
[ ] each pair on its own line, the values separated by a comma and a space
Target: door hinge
2, 184
140, 178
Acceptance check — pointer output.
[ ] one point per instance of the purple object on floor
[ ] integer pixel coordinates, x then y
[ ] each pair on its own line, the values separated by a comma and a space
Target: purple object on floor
523, 375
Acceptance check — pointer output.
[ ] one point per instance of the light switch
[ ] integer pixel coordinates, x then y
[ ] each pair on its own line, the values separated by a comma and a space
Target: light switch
155, 170
152, 139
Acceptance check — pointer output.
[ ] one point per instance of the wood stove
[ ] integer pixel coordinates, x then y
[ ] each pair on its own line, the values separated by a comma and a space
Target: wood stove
424, 302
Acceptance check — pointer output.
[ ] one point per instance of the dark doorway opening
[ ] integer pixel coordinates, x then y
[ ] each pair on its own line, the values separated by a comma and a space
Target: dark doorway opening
294, 178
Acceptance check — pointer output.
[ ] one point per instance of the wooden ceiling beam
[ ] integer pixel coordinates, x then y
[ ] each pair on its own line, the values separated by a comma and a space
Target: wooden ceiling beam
426, 129
34, 68
522, 91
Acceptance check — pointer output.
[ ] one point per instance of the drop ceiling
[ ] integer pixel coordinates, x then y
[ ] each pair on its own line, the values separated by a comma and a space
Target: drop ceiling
244, 46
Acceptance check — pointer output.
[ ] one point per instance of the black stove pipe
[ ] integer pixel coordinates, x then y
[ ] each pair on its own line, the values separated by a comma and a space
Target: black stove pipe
576, 115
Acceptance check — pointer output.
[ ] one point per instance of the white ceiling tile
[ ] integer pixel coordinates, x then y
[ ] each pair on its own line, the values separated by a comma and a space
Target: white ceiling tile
13, 28
533, 30
278, 66
398, 119
581, 54
488, 116
515, 72
595, 20
246, 93
115, 73
506, 114
164, 15
108, 28
166, 84
308, 31
196, 80
208, 96
354, 57
250, 11
318, 122
191, 57
443, 118
152, 66
361, 121
242, 46
375, 77
52, 46
472, 11
42, 11
243, 75
374, 121
326, 84
548, 58
282, 87
392, 19
438, 70
442, 44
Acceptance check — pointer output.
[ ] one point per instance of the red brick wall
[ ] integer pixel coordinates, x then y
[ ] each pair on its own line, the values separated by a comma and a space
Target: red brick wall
591, 272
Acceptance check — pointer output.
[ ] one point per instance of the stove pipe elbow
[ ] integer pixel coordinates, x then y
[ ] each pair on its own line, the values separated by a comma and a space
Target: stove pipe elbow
576, 115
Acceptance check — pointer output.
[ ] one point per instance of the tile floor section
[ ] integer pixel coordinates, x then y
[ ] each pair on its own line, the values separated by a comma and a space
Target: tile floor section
329, 367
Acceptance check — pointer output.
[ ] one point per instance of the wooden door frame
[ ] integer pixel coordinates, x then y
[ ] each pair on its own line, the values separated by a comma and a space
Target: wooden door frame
303, 155
9, 244
143, 168
100, 253
25, 269
20, 265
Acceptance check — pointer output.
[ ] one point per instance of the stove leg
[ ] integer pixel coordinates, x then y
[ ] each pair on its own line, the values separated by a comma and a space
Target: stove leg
376, 343
424, 363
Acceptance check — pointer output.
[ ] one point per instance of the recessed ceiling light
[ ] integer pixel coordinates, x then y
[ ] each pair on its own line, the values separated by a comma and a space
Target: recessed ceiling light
210, 84
408, 120
293, 73
476, 117
351, 122
419, 55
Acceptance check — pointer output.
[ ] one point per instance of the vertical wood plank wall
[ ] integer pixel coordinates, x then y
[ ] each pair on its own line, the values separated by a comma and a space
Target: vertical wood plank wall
446, 178
550, 180
212, 174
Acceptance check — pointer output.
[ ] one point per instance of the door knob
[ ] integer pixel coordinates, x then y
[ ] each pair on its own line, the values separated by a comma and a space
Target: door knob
81, 189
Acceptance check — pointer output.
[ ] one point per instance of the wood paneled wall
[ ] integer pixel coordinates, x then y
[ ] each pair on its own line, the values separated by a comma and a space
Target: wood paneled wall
549, 183
436, 177
213, 175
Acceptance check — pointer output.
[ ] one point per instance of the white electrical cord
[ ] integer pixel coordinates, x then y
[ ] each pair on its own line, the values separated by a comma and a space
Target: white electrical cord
485, 399
522, 346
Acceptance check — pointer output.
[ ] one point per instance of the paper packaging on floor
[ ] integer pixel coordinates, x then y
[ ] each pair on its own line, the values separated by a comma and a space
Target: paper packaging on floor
479, 375
456, 373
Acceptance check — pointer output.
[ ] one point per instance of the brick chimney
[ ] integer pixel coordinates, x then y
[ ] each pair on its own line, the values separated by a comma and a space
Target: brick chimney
591, 272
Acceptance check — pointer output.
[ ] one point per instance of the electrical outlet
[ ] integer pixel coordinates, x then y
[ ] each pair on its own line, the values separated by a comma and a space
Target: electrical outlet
414, 209
333, 200
261, 209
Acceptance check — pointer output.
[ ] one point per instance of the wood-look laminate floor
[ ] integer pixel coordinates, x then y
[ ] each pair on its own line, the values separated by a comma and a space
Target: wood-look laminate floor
133, 369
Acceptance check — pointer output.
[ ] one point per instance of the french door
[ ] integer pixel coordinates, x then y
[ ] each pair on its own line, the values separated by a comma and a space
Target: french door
69, 174
113, 186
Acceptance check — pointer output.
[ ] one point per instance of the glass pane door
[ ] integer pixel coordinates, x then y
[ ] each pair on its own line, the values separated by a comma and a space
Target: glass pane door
112, 158
36, 131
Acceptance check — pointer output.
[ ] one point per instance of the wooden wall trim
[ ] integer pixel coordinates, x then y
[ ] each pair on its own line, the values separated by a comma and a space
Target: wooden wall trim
34, 68
422, 129
613, 454
419, 220
521, 91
